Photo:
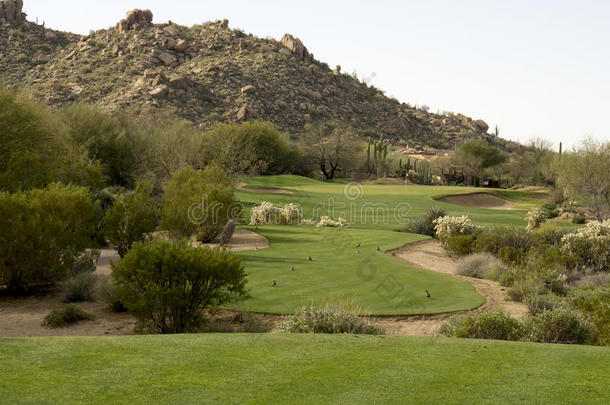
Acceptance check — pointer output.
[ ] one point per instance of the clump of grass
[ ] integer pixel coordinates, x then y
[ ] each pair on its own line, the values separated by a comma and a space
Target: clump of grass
66, 316
330, 318
478, 265
80, 288
487, 325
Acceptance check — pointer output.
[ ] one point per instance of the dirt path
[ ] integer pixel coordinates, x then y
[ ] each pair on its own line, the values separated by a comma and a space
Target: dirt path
430, 255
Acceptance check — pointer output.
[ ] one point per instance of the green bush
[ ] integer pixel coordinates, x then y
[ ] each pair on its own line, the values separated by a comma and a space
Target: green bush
167, 285
486, 325
329, 319
558, 326
131, 218
66, 316
478, 265
198, 202
460, 245
594, 303
493, 239
579, 219
80, 287
43, 234
425, 225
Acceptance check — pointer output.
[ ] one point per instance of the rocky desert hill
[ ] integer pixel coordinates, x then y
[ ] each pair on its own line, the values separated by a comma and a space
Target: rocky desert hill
207, 73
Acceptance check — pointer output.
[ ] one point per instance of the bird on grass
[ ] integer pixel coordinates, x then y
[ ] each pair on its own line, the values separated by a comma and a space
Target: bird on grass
274, 284
357, 252
378, 249
310, 259
291, 268
428, 294
358, 244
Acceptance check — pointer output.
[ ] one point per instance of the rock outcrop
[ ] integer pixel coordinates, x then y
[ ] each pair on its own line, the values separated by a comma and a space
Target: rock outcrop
11, 11
135, 20
296, 47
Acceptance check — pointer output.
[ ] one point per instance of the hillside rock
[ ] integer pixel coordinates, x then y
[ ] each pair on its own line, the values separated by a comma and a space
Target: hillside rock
11, 11
296, 47
135, 19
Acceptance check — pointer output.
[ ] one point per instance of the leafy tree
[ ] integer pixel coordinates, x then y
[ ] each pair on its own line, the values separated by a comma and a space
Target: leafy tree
34, 150
252, 148
583, 175
330, 148
534, 163
130, 218
43, 234
167, 285
198, 202
478, 155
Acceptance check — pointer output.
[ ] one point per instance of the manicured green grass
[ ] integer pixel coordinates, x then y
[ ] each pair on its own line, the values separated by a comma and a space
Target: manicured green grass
376, 206
299, 369
376, 282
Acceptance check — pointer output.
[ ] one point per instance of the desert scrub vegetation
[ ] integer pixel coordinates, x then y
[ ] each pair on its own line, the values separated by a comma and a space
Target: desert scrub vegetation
167, 285
330, 318
43, 235
487, 325
80, 287
131, 218
66, 316
446, 227
478, 265
425, 225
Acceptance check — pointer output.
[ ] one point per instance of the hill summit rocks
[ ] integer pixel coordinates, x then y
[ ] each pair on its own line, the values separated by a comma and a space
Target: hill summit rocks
296, 47
135, 20
11, 11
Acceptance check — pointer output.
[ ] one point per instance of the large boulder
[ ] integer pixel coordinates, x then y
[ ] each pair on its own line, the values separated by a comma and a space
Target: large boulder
135, 19
482, 125
11, 11
296, 47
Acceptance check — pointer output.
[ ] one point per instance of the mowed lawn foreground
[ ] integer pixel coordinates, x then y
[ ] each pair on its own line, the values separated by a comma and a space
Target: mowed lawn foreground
375, 282
308, 369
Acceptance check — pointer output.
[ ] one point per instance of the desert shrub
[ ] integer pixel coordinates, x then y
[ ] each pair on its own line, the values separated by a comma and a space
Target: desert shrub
198, 202
167, 285
478, 265
460, 245
329, 319
544, 302
43, 233
590, 279
266, 213
579, 219
547, 234
327, 222
107, 292
65, 316
446, 227
425, 225
558, 326
493, 239
486, 325
80, 287
252, 148
131, 218
86, 262
497, 271
590, 246
307, 223
550, 210
250, 323
535, 217
512, 255
594, 303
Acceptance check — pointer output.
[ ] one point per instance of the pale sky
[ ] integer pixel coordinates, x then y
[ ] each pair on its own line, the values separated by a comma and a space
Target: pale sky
535, 68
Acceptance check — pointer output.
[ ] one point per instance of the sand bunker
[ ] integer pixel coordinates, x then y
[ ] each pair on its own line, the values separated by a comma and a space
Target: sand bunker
244, 240
480, 200
243, 186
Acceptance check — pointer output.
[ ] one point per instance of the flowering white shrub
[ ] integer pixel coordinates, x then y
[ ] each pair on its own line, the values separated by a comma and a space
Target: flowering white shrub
590, 245
266, 213
535, 217
328, 222
451, 226
290, 213
263, 214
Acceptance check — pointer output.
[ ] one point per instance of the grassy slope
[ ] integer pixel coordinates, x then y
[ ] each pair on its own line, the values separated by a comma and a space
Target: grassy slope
376, 282
316, 198
298, 369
